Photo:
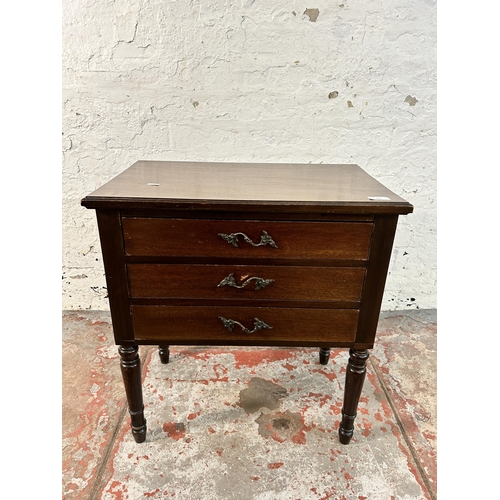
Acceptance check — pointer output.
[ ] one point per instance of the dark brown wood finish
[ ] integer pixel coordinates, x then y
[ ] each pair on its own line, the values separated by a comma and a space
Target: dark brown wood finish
280, 187
299, 283
324, 355
245, 303
202, 238
164, 353
131, 372
355, 376
245, 254
384, 229
113, 254
328, 214
192, 325
245, 261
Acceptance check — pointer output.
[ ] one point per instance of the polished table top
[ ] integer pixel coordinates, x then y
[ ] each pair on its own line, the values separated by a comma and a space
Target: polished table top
286, 186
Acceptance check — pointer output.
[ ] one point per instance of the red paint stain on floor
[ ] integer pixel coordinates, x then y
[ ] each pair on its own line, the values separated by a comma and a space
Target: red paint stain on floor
152, 494
111, 469
322, 398
119, 439
92, 433
326, 494
117, 489
330, 376
300, 437
275, 465
97, 322
220, 369
203, 355
367, 427
336, 410
430, 436
174, 430
255, 358
411, 467
278, 438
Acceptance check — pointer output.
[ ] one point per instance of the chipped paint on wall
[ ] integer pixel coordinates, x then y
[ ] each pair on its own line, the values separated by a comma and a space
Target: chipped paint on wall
312, 14
249, 82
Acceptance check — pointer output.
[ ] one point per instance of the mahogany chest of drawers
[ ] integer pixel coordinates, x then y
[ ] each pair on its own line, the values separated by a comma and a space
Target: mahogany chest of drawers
245, 254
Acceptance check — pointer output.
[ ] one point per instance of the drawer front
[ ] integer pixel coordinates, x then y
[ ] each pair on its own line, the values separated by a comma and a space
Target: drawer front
243, 325
248, 239
302, 283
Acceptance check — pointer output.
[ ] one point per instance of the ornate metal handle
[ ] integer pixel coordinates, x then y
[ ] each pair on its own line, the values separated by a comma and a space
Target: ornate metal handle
258, 325
265, 239
259, 282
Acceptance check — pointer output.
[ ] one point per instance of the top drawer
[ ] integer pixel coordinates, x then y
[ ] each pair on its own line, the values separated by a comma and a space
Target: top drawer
248, 239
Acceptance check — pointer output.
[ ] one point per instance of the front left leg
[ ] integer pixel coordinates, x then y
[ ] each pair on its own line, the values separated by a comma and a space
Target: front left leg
131, 372
355, 376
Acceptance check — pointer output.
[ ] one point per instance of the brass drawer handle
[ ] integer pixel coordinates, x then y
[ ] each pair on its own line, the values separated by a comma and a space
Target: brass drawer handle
258, 325
265, 239
259, 282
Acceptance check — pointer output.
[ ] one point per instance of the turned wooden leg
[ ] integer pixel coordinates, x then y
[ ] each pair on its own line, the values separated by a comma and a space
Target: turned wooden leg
324, 355
164, 353
355, 376
131, 372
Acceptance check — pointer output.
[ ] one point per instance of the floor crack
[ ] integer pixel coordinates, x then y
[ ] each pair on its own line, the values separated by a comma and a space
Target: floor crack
107, 454
407, 439
93, 495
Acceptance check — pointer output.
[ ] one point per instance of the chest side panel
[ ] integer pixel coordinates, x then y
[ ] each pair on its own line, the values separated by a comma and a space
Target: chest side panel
110, 234
384, 229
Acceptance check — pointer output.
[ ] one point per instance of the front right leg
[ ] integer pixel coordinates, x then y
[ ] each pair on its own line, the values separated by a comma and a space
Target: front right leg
131, 372
355, 376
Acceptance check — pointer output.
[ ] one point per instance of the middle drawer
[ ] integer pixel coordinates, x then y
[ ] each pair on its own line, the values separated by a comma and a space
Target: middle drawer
301, 283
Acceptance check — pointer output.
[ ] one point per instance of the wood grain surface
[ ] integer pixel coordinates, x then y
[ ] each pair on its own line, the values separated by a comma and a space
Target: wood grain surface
300, 283
200, 238
202, 325
167, 184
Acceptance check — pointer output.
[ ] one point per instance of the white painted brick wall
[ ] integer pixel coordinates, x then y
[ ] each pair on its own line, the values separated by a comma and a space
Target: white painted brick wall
250, 81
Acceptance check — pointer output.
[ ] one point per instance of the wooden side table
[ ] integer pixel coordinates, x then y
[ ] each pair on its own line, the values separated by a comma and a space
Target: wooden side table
245, 254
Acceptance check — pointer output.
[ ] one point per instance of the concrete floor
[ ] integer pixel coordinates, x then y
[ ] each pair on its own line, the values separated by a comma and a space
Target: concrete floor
250, 423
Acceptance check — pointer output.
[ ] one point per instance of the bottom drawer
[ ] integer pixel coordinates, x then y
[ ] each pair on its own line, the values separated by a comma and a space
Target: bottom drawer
189, 325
